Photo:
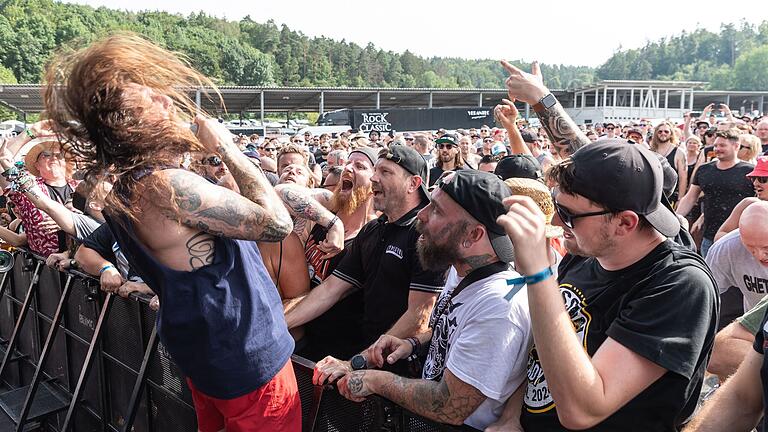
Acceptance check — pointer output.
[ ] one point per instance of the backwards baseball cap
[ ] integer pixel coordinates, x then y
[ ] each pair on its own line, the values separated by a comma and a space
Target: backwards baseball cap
369, 152
411, 161
481, 195
519, 166
623, 177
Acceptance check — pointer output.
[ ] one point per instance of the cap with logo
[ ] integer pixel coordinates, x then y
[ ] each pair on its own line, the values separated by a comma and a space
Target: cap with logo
447, 138
481, 195
623, 177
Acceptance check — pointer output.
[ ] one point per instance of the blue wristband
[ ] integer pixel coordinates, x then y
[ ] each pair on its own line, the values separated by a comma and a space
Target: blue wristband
105, 268
540, 276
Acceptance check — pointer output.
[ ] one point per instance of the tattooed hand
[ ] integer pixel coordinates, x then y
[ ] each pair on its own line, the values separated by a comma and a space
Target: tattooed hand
354, 386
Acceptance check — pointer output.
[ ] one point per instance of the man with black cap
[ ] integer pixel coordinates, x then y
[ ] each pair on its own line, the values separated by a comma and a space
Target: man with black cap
479, 331
519, 166
398, 294
448, 157
623, 342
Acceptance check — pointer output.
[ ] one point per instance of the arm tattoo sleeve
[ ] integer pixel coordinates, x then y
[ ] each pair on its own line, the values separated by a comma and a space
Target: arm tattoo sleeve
224, 214
302, 204
560, 126
434, 400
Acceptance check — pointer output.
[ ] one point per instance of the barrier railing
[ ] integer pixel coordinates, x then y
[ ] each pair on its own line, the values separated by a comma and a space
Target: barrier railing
77, 359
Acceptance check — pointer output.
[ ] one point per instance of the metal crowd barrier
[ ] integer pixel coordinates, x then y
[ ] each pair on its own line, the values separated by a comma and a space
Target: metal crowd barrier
77, 359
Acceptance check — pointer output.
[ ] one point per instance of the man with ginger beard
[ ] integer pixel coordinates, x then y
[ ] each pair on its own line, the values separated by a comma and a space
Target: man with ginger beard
337, 332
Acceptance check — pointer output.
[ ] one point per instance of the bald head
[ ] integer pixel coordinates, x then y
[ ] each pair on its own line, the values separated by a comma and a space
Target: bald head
753, 230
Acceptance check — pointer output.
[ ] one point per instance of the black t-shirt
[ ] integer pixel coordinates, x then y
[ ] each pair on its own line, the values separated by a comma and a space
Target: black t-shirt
383, 263
760, 345
435, 173
664, 308
338, 331
723, 189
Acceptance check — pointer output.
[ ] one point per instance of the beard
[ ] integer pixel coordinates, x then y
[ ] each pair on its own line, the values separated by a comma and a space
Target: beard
437, 256
346, 205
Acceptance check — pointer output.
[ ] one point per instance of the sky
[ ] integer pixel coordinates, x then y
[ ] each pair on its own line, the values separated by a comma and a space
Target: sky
555, 32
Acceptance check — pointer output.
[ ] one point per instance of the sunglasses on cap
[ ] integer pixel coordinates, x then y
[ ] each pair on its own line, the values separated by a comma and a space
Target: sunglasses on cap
760, 179
567, 217
213, 161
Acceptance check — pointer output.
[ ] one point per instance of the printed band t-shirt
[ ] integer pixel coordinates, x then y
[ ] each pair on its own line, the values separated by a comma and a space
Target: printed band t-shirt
733, 265
664, 308
483, 339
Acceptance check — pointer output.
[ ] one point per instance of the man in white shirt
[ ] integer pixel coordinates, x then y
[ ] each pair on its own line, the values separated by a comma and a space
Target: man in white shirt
480, 327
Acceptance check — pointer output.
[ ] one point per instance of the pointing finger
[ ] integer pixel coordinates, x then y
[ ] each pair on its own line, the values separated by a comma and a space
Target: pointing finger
536, 69
510, 68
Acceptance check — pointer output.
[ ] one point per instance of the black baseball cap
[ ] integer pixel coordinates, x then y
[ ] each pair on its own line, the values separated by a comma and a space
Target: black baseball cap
519, 166
481, 195
411, 161
623, 177
529, 136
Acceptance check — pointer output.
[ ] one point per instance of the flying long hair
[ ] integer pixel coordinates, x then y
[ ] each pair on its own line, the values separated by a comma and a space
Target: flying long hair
107, 131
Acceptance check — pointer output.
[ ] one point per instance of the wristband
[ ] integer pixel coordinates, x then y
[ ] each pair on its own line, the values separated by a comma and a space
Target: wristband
105, 268
331, 223
29, 133
415, 344
532, 279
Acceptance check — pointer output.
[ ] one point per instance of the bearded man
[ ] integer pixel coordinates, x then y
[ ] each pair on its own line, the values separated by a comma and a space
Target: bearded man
336, 332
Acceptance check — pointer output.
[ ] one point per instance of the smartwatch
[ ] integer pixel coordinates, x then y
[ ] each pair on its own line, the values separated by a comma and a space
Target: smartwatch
358, 362
545, 103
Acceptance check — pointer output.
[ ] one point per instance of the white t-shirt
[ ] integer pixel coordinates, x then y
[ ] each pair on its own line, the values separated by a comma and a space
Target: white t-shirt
483, 339
733, 265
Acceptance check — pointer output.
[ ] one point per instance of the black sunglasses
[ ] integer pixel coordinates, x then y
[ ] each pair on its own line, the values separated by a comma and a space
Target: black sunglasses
760, 179
445, 146
212, 161
567, 217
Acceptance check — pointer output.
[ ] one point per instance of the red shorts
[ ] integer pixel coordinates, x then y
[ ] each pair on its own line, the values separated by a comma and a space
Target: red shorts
275, 406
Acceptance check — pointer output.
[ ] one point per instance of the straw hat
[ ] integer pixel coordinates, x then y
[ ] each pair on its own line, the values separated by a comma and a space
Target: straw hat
37, 146
539, 193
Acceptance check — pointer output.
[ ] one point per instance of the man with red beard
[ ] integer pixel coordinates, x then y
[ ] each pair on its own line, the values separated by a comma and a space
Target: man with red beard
398, 292
337, 332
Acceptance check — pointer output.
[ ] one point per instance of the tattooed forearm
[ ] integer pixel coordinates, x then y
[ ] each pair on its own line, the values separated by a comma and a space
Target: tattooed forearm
435, 400
200, 248
303, 205
222, 213
560, 126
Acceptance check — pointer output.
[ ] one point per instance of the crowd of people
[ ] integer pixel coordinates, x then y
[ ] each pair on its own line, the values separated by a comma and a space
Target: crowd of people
506, 278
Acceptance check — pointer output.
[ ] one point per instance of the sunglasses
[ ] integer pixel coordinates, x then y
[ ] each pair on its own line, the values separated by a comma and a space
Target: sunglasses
663, 131
48, 155
213, 161
269, 149
445, 146
760, 179
567, 217
610, 128
487, 140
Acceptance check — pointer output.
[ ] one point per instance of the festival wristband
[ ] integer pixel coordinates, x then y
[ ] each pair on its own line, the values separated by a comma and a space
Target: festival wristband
29, 133
532, 279
105, 268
